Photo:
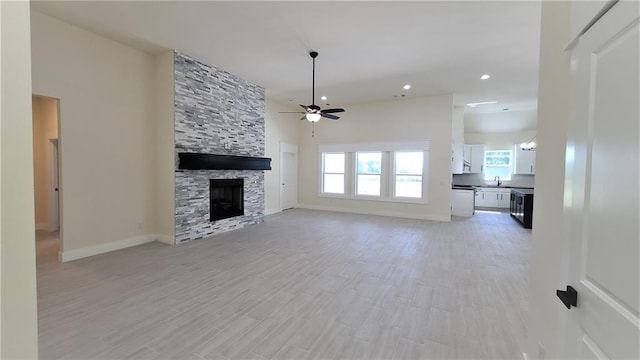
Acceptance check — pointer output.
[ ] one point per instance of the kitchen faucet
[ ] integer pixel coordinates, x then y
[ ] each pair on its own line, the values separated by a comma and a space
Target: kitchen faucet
497, 178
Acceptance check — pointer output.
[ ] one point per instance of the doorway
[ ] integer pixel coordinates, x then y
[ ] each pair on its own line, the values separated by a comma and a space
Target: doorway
46, 156
288, 176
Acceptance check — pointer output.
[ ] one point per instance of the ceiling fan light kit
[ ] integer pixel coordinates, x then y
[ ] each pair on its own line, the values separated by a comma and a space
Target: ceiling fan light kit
529, 145
313, 117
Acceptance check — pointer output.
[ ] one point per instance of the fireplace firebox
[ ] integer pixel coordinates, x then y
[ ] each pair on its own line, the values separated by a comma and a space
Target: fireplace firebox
227, 198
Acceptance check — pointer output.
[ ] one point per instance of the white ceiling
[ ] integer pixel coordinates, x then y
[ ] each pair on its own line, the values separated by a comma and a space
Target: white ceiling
368, 50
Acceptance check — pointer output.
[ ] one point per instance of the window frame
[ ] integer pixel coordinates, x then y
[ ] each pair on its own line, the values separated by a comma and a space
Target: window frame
357, 174
387, 170
509, 166
394, 176
343, 173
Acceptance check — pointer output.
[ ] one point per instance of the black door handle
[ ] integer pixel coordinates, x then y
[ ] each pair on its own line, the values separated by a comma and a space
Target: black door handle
569, 297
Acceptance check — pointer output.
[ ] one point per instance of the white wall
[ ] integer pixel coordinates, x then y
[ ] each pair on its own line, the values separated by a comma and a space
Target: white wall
165, 148
45, 128
278, 128
107, 133
546, 312
506, 121
425, 118
18, 322
498, 140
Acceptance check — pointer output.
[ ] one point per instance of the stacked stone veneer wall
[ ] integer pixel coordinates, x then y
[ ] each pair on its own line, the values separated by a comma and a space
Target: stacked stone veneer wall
215, 113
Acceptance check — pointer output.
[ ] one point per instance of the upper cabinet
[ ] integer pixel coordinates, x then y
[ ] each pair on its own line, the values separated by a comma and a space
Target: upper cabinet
525, 161
473, 159
457, 140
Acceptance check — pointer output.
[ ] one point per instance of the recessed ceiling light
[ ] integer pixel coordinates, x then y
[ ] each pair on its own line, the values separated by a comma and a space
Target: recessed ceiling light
323, 98
407, 87
485, 77
481, 103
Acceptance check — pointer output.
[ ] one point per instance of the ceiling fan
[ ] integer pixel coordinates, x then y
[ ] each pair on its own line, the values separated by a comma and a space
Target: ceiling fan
313, 112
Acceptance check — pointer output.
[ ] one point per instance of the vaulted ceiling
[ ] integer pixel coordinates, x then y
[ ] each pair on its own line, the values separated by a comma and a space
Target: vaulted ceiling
368, 50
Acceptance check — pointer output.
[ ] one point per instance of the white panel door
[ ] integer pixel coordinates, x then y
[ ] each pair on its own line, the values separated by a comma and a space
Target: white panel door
288, 176
601, 188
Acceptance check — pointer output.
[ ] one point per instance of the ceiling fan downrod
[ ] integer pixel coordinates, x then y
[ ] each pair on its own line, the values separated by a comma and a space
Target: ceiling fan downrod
314, 55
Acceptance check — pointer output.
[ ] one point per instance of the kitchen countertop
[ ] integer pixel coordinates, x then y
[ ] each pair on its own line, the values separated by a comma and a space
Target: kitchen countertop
472, 187
524, 191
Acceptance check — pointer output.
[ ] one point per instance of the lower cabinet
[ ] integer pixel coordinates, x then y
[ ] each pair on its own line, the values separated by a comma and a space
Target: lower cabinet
504, 198
521, 207
462, 203
493, 198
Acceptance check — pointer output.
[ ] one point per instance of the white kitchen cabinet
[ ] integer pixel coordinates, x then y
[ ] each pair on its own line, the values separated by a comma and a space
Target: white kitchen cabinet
525, 161
493, 198
487, 197
504, 198
473, 159
462, 202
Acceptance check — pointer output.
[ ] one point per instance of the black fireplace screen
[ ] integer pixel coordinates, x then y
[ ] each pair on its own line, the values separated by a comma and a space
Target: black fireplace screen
227, 198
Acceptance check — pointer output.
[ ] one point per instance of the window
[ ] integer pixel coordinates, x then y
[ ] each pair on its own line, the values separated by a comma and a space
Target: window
408, 174
333, 173
394, 171
369, 166
497, 163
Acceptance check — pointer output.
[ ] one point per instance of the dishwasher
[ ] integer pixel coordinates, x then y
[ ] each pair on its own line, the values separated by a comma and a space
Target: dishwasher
463, 200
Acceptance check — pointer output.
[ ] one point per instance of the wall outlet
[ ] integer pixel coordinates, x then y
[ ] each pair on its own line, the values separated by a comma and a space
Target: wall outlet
540, 351
139, 225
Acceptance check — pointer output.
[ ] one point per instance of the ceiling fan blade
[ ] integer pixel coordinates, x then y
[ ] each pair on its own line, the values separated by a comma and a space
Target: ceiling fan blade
305, 107
290, 112
329, 116
330, 111
303, 118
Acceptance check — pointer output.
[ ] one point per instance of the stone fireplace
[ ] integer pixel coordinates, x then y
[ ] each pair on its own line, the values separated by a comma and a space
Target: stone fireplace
219, 117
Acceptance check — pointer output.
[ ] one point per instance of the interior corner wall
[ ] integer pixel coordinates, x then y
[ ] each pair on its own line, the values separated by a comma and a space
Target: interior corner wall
548, 272
107, 134
165, 148
279, 128
18, 317
423, 118
45, 128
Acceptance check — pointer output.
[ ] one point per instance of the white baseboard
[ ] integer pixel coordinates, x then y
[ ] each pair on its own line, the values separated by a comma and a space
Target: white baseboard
166, 239
271, 211
75, 254
377, 213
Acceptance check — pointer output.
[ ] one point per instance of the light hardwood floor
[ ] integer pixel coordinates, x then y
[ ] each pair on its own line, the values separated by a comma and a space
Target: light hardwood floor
304, 284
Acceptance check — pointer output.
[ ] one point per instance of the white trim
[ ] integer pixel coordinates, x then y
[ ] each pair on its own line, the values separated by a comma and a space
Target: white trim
271, 211
166, 239
598, 15
42, 226
376, 146
54, 195
291, 149
75, 254
391, 199
376, 213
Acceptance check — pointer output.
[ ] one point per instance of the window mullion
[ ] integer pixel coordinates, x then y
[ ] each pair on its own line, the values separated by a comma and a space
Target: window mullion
350, 175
